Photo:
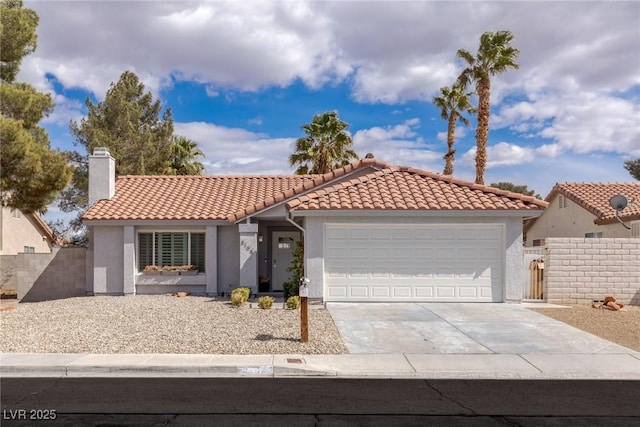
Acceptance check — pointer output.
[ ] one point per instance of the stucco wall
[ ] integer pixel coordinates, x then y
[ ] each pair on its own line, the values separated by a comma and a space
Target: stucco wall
583, 270
228, 258
570, 221
513, 266
108, 260
60, 274
8, 272
18, 231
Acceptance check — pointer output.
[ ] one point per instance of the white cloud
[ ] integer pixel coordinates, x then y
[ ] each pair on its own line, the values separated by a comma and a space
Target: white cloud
460, 132
584, 122
256, 121
502, 154
574, 90
238, 151
65, 110
392, 54
398, 145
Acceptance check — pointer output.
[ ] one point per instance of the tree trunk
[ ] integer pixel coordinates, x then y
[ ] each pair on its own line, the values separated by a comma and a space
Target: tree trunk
451, 136
482, 131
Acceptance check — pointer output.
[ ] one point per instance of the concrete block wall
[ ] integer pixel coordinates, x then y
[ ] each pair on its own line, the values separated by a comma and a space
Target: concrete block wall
579, 270
60, 274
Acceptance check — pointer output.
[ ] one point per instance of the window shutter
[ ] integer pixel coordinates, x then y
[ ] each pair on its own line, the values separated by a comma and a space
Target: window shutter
197, 250
179, 248
145, 250
171, 248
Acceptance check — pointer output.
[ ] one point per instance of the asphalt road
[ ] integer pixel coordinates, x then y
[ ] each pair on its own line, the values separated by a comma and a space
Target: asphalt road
309, 402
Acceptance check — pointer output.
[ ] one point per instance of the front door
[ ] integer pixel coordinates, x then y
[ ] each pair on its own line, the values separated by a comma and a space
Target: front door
282, 245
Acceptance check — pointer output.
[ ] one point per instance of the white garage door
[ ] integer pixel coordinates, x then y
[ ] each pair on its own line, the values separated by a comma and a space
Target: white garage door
442, 262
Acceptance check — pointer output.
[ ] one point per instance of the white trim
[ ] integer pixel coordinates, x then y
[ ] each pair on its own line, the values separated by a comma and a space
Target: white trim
419, 213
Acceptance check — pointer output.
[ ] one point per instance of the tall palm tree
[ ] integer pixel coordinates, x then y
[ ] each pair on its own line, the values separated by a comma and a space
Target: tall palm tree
183, 154
495, 55
453, 103
327, 145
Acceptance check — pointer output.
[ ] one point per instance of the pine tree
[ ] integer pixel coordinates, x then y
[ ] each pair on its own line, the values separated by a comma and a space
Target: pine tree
31, 173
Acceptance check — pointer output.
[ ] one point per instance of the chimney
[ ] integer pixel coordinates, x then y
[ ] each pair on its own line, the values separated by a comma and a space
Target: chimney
102, 175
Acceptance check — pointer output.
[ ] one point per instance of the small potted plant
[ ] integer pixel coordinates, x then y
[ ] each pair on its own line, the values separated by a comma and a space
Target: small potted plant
153, 270
263, 284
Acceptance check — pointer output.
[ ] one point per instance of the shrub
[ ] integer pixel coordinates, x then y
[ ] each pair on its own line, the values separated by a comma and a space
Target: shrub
237, 299
148, 268
293, 302
296, 269
265, 302
290, 289
244, 292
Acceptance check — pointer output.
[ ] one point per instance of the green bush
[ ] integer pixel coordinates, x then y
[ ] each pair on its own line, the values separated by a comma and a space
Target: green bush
296, 269
265, 302
293, 302
290, 289
237, 299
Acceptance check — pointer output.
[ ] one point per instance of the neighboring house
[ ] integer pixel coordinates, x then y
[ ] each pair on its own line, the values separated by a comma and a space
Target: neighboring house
372, 232
582, 209
22, 232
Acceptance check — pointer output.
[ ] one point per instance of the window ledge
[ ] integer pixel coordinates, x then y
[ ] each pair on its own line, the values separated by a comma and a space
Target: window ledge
149, 279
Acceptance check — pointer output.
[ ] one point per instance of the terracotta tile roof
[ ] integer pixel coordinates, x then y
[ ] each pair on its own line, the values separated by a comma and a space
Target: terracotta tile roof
594, 197
375, 185
190, 197
412, 189
315, 180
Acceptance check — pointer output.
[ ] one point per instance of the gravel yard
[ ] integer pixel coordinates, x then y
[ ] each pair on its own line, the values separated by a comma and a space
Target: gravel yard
162, 324
620, 327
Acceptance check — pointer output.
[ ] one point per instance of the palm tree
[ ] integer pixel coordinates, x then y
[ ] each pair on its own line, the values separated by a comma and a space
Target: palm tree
453, 103
183, 154
327, 145
495, 55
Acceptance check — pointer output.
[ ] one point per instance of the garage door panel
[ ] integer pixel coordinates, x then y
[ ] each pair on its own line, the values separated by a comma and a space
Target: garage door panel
380, 291
467, 292
421, 263
402, 291
356, 291
445, 292
424, 292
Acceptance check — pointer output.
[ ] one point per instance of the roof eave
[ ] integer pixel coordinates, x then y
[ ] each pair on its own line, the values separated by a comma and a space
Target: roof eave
520, 213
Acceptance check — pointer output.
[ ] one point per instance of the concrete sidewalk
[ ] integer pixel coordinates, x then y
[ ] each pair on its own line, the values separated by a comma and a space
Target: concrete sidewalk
618, 366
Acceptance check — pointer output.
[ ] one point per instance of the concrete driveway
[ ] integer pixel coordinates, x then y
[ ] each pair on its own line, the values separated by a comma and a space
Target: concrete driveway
461, 328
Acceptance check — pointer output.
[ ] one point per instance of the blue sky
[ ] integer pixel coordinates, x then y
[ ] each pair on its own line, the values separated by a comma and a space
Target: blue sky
242, 77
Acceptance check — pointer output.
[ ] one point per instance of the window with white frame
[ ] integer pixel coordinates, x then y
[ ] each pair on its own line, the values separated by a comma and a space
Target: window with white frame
29, 250
171, 248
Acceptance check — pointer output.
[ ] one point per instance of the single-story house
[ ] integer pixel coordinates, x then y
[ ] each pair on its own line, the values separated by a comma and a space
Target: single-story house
24, 232
582, 209
371, 232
